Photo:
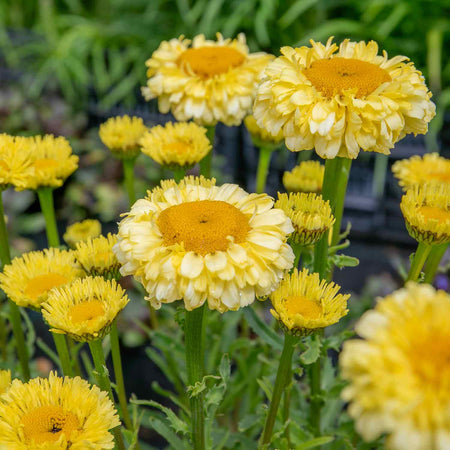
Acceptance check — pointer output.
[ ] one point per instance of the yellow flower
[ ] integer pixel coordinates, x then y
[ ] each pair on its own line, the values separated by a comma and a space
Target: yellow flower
303, 303
339, 100
204, 243
260, 136
310, 215
82, 231
52, 160
306, 177
426, 210
209, 81
84, 309
5, 380
122, 134
431, 168
399, 372
97, 258
29, 278
56, 413
15, 161
176, 144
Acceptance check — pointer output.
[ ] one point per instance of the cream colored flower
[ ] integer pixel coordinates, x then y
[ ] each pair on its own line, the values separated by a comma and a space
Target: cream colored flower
204, 243
306, 177
431, 168
180, 144
303, 303
208, 81
82, 231
339, 100
399, 373
56, 414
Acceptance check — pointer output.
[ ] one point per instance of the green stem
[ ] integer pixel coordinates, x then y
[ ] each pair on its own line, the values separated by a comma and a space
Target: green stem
265, 154
194, 339
316, 402
206, 162
335, 181
103, 381
298, 249
432, 266
379, 175
63, 353
422, 252
14, 312
76, 367
118, 373
128, 178
434, 40
284, 370
178, 174
287, 407
45, 195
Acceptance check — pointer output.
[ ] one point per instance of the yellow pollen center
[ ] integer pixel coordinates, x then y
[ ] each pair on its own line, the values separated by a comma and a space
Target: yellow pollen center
43, 283
439, 176
45, 164
333, 76
207, 62
299, 304
86, 311
48, 423
432, 213
3, 165
179, 148
203, 226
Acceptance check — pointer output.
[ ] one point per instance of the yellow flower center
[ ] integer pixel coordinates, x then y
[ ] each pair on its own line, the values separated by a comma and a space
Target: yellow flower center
86, 311
48, 423
45, 164
433, 213
437, 176
3, 165
179, 148
43, 283
203, 226
333, 76
299, 304
207, 62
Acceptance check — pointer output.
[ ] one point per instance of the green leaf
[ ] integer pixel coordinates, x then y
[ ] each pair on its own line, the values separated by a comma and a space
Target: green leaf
161, 428
312, 352
266, 386
316, 442
295, 11
344, 261
262, 329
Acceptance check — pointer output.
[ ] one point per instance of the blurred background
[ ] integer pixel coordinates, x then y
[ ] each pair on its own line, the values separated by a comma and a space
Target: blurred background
68, 65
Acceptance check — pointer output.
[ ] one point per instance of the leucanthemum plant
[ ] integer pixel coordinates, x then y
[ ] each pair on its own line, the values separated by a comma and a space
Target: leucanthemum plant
305, 177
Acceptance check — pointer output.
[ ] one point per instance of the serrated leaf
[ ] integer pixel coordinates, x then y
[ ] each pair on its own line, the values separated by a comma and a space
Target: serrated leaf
262, 329
312, 352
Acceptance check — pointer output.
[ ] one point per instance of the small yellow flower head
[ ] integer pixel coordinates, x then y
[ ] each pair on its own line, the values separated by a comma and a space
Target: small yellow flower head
303, 303
180, 144
431, 168
204, 243
426, 210
56, 413
208, 81
29, 278
84, 309
53, 161
260, 136
338, 100
82, 231
16, 164
310, 215
5, 380
306, 177
97, 258
399, 373
122, 134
